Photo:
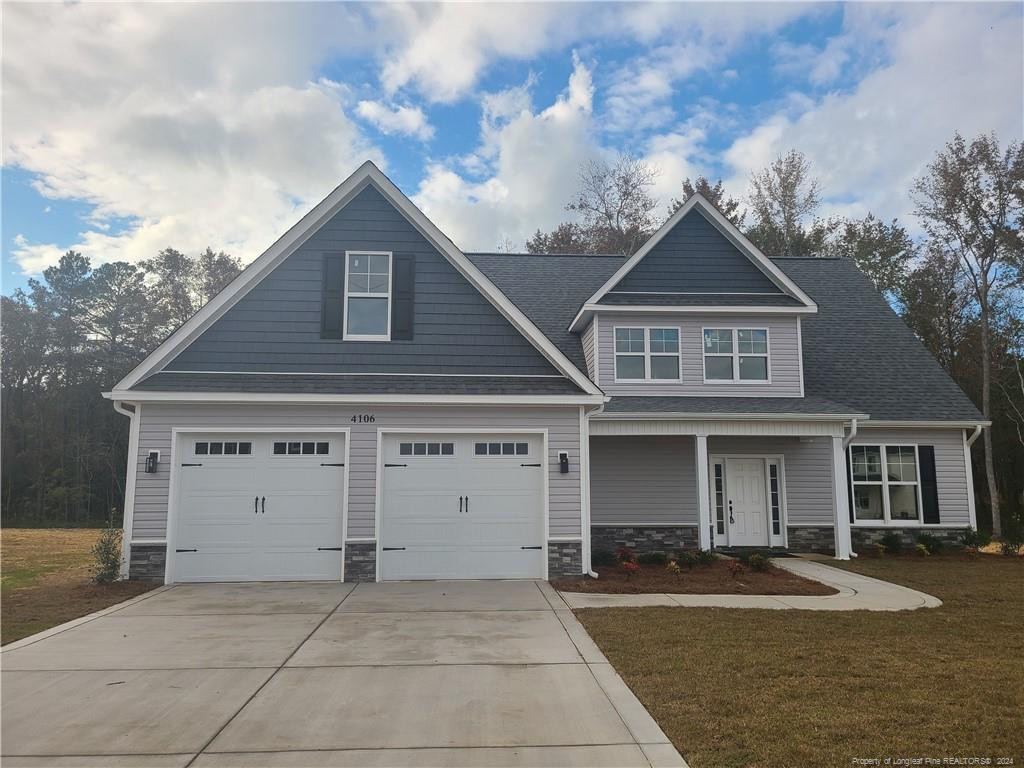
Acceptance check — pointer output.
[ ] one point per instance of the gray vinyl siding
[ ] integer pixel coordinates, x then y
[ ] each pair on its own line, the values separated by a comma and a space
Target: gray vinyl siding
276, 326
643, 481
950, 467
783, 355
587, 338
695, 257
562, 424
807, 466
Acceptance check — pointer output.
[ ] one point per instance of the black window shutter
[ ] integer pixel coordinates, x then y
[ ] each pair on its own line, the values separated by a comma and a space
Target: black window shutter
333, 296
929, 483
403, 297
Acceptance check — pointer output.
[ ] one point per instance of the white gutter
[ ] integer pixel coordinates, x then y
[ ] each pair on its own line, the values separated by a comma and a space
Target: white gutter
292, 397
975, 435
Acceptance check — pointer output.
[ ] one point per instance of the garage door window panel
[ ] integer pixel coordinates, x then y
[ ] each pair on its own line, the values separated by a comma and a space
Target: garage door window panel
301, 448
501, 449
426, 448
221, 448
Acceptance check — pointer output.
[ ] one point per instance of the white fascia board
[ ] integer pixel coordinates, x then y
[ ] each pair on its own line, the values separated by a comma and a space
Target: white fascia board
843, 417
138, 396
728, 229
611, 309
956, 424
366, 174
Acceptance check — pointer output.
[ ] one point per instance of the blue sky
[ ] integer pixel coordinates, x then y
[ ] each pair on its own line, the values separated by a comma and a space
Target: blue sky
129, 128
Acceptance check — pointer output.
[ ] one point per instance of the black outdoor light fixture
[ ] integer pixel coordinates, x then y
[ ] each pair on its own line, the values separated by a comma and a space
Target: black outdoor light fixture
563, 462
152, 460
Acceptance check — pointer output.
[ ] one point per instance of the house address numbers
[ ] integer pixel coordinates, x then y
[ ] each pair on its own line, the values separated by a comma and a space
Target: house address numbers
363, 418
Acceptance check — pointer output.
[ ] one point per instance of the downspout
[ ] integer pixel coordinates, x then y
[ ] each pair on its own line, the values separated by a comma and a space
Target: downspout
128, 507
976, 434
853, 433
846, 444
586, 436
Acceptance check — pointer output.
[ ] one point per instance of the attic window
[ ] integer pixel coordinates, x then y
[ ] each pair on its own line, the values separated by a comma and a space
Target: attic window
367, 296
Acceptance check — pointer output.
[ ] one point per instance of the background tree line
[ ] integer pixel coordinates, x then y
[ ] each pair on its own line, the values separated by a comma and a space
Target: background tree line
66, 339
959, 287
79, 330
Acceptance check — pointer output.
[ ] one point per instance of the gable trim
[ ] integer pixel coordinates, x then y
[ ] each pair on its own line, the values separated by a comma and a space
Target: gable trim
716, 309
731, 233
367, 174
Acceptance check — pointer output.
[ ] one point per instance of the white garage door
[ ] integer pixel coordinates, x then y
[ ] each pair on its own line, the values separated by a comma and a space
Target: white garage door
259, 507
463, 507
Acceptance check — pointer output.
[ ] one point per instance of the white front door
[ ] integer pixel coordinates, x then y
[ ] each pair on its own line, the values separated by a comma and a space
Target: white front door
746, 508
259, 507
463, 507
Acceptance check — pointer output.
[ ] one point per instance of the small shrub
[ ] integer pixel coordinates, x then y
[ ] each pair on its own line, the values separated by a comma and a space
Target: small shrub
922, 550
1013, 536
879, 549
603, 557
631, 568
972, 539
892, 543
625, 555
107, 554
673, 568
652, 558
931, 542
758, 562
736, 568
706, 557
687, 559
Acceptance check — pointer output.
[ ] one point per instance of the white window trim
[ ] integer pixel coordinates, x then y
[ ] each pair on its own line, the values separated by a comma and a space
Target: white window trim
885, 482
736, 354
647, 354
346, 336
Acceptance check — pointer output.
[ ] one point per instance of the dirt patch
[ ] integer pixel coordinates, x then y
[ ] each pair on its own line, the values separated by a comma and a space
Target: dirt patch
47, 580
714, 579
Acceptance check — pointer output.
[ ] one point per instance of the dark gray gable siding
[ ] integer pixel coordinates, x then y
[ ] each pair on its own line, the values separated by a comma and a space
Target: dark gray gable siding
694, 257
276, 326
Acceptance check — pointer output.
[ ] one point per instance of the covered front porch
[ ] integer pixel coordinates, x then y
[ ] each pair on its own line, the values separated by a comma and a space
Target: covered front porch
669, 482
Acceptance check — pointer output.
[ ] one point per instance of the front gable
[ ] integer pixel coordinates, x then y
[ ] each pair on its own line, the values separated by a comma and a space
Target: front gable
274, 321
277, 327
694, 257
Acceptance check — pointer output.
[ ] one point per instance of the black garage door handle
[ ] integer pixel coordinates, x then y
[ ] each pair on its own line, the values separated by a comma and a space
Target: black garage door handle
530, 547
328, 549
392, 549
186, 550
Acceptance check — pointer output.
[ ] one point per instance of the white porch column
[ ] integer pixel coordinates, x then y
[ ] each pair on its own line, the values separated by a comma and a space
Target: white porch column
842, 495
703, 493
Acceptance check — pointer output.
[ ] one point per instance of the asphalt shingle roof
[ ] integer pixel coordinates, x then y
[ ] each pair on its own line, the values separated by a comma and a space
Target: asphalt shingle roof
859, 356
343, 385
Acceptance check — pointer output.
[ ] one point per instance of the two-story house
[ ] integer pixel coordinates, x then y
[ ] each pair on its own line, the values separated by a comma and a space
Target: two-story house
366, 401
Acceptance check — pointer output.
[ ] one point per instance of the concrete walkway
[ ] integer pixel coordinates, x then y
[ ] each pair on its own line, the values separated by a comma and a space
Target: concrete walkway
399, 674
856, 593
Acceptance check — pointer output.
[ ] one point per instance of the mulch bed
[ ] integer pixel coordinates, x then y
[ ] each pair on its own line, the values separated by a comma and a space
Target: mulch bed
714, 579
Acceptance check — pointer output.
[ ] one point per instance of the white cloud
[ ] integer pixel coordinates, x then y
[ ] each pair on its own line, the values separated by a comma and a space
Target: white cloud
948, 68
409, 121
527, 167
199, 125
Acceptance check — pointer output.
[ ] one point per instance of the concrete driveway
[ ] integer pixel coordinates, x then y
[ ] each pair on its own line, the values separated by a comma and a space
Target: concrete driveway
398, 674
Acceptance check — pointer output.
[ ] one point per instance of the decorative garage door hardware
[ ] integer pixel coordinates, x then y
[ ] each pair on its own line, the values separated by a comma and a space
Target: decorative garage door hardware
393, 549
396, 465
256, 505
466, 498
529, 465
530, 547
328, 549
191, 465
322, 464
186, 550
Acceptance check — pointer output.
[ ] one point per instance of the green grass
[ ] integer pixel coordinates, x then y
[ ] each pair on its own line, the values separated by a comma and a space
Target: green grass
804, 688
46, 579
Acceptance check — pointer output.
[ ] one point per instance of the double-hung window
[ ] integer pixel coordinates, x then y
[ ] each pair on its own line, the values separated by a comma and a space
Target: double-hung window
647, 354
886, 484
367, 296
735, 354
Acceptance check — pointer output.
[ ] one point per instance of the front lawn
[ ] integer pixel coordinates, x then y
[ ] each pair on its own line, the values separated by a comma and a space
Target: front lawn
713, 579
813, 688
46, 579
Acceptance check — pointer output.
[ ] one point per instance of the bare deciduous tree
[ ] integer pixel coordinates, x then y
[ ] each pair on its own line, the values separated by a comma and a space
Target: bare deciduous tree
971, 201
713, 193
